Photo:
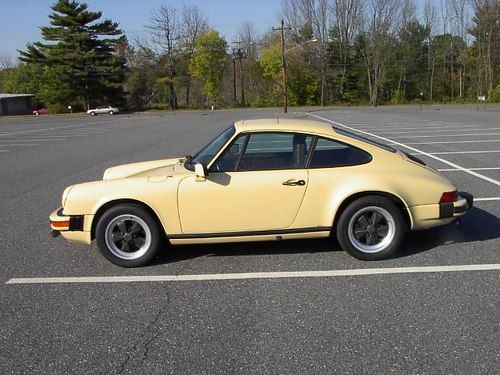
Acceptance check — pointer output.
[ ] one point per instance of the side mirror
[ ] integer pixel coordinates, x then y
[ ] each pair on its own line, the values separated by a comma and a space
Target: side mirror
234, 149
200, 172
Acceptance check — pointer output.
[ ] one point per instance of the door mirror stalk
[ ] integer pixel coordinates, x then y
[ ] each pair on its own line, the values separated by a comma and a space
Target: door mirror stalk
201, 172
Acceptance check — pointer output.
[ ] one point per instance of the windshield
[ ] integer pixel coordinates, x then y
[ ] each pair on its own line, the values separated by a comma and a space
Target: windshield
207, 153
364, 139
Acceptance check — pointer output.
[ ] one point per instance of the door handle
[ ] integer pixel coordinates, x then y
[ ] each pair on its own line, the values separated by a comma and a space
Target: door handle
294, 183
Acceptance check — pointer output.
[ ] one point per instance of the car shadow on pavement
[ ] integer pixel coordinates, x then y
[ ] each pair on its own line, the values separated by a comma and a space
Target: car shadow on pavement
478, 225
180, 253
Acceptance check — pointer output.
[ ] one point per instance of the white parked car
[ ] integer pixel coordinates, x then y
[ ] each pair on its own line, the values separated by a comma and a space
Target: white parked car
101, 110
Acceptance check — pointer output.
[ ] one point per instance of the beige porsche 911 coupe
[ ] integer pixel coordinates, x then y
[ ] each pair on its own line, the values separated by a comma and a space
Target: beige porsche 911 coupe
262, 180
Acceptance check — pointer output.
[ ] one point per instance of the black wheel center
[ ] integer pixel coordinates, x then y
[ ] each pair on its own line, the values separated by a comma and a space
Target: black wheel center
371, 229
127, 237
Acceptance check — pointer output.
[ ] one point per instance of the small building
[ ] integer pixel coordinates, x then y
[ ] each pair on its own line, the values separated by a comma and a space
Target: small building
16, 104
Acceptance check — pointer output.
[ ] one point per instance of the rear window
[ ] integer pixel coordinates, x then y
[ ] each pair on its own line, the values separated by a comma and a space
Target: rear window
364, 139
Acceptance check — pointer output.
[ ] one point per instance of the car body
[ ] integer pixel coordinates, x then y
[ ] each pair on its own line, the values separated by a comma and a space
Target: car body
266, 179
103, 110
40, 111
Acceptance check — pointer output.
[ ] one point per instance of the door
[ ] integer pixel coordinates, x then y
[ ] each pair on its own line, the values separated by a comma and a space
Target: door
256, 186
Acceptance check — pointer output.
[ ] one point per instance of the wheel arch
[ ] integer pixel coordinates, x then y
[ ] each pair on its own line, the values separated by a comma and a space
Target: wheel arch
103, 208
398, 201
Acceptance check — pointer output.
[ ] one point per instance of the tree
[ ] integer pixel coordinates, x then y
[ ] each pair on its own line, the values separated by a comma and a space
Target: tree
378, 41
23, 79
209, 62
310, 19
5, 60
193, 24
430, 17
409, 69
79, 56
486, 31
347, 14
165, 32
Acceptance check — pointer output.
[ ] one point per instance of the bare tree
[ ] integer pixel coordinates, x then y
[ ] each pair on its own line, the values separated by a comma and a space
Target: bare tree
164, 43
193, 24
250, 45
321, 23
461, 13
310, 19
430, 18
407, 58
347, 15
297, 14
445, 13
382, 21
5, 60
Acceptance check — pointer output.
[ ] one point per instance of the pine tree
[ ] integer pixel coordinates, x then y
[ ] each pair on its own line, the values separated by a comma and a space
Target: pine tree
80, 57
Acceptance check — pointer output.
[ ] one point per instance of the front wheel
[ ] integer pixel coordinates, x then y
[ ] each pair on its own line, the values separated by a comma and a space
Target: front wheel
111, 112
371, 228
92, 113
128, 236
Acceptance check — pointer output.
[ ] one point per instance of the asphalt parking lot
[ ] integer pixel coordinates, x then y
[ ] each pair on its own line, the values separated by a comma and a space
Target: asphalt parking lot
400, 318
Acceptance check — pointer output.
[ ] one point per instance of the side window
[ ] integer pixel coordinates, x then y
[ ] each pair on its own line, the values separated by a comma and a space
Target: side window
267, 151
329, 153
229, 159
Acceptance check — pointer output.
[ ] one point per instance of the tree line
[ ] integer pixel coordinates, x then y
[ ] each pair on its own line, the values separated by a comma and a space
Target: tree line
336, 52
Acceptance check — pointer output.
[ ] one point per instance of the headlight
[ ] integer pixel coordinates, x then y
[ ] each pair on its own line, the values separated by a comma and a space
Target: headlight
65, 195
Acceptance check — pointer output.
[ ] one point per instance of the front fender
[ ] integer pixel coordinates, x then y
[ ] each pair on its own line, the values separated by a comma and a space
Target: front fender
158, 194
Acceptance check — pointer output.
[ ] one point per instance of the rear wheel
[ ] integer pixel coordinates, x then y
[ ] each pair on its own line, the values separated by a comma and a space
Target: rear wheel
92, 113
111, 112
371, 228
128, 236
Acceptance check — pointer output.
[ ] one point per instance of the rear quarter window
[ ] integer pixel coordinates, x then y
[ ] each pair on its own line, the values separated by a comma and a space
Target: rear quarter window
364, 139
329, 153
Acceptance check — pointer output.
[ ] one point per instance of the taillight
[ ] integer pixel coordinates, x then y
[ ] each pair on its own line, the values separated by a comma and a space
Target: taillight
449, 196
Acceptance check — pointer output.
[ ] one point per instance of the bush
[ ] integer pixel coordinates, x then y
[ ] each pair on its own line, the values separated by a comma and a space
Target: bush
495, 95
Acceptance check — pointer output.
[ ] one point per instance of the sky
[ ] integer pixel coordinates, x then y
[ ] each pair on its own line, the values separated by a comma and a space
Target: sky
20, 19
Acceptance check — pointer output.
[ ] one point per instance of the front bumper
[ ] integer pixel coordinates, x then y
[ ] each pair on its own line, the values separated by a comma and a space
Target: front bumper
432, 215
75, 228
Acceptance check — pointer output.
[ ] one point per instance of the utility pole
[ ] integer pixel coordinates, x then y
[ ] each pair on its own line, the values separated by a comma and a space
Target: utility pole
234, 79
239, 54
283, 63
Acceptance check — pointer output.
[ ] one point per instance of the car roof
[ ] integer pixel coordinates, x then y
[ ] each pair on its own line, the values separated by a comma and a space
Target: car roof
285, 124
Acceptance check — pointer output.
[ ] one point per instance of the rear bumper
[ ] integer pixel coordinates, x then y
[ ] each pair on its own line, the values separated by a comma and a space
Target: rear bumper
459, 207
74, 228
431, 215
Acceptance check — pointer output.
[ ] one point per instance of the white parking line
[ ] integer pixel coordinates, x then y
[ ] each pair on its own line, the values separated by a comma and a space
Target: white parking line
487, 199
447, 142
442, 130
431, 155
255, 275
33, 140
4, 150
453, 153
445, 135
22, 145
374, 127
54, 128
472, 169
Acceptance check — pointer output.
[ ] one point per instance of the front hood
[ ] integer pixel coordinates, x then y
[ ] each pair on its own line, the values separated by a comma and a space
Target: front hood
163, 167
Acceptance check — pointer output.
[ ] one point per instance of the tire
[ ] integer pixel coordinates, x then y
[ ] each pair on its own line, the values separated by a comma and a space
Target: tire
127, 235
371, 228
92, 113
111, 112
